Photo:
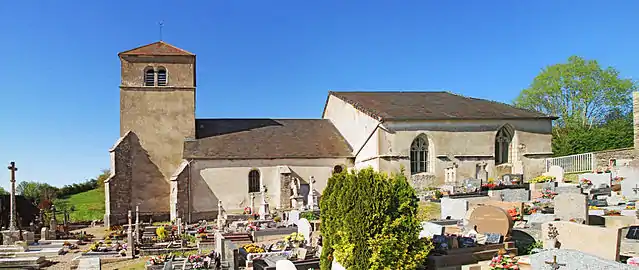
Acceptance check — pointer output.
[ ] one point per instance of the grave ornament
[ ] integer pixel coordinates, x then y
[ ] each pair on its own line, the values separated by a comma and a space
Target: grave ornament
554, 265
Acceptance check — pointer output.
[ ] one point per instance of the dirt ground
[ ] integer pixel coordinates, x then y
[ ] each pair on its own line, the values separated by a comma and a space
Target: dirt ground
63, 262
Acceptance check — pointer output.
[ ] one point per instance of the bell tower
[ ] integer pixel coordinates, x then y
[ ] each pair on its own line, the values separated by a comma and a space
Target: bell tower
157, 102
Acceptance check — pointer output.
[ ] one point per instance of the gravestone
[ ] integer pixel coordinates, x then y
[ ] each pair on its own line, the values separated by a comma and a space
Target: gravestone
510, 195
285, 265
453, 208
633, 233
304, 228
571, 206
630, 185
491, 219
597, 179
429, 229
568, 189
293, 217
567, 259
557, 172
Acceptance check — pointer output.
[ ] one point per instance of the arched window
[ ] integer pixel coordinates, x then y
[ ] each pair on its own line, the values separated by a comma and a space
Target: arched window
502, 144
338, 169
254, 181
162, 77
149, 77
419, 155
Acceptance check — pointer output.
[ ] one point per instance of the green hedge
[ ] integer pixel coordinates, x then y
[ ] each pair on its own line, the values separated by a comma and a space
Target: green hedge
369, 221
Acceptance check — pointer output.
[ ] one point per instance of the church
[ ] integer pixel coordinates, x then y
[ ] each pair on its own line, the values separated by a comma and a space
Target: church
170, 164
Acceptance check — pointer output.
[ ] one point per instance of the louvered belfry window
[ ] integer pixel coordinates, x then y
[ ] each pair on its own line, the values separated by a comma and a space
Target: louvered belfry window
162, 77
149, 78
254, 181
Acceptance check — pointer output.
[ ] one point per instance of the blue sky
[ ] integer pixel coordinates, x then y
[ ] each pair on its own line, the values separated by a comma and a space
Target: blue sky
60, 70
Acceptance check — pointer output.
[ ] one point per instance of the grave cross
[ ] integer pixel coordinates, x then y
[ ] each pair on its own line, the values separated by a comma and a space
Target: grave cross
554, 265
12, 200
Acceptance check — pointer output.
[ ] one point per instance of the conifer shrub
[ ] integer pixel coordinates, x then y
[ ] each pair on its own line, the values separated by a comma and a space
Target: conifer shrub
369, 221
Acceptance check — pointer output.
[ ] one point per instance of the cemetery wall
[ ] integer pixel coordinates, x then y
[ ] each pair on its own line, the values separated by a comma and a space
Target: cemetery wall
602, 158
227, 180
467, 143
357, 128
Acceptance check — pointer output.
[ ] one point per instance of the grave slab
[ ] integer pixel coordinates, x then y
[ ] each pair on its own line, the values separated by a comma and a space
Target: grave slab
573, 260
607, 239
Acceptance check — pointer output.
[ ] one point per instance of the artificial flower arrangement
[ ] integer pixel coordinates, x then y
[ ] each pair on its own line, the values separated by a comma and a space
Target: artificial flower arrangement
612, 213
542, 179
295, 239
504, 261
514, 213
630, 207
247, 210
253, 248
548, 194
592, 207
489, 185
155, 260
585, 182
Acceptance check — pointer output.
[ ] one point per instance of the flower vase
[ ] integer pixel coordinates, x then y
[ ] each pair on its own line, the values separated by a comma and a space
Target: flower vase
550, 243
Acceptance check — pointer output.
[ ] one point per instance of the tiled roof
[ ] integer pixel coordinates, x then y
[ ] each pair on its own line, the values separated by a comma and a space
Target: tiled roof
266, 138
156, 48
432, 106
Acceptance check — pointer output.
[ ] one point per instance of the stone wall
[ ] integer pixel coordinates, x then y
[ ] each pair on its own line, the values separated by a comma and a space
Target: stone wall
180, 193
602, 158
134, 181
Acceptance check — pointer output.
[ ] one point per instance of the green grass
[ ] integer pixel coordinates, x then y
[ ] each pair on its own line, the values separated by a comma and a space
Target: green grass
89, 205
428, 210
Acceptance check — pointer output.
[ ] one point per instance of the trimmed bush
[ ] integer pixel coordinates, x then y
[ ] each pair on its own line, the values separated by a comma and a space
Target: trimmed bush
366, 214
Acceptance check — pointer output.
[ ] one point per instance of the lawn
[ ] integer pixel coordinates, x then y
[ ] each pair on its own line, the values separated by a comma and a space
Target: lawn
428, 210
89, 205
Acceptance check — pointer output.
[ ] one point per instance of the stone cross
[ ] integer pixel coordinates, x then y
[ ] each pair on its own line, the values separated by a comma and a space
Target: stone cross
263, 191
252, 203
130, 243
12, 215
53, 223
554, 265
65, 214
311, 193
219, 214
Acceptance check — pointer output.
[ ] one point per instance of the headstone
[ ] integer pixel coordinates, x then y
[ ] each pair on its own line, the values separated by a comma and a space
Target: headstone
451, 174
293, 217
557, 172
491, 219
285, 265
304, 228
630, 185
510, 195
44, 234
571, 206
482, 173
28, 237
453, 208
429, 229
264, 207
597, 179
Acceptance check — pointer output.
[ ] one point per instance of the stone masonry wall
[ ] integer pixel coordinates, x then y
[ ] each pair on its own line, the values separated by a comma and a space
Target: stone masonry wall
602, 158
180, 185
118, 187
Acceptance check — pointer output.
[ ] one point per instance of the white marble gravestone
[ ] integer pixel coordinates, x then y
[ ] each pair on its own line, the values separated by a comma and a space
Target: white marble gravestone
304, 228
571, 206
630, 184
293, 217
557, 172
429, 229
453, 208
597, 179
573, 260
284, 265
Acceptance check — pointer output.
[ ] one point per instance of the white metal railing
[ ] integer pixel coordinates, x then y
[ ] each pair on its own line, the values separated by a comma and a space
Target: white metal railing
573, 163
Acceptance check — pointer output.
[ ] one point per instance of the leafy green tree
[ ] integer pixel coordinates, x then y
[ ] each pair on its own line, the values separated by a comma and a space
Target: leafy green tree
369, 221
104, 175
3, 191
580, 92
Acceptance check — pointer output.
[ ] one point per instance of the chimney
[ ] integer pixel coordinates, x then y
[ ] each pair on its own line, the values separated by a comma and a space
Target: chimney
635, 117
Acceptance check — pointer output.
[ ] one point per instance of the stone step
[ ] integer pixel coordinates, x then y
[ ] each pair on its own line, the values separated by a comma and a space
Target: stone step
89, 264
22, 263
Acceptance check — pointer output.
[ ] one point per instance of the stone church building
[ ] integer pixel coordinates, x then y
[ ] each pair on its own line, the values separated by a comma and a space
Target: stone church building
170, 164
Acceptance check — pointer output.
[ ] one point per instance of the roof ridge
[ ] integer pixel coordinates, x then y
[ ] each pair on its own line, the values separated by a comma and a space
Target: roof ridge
161, 42
501, 103
260, 118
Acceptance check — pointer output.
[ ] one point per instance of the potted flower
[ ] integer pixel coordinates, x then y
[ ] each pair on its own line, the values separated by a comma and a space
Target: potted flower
584, 183
295, 239
504, 261
551, 240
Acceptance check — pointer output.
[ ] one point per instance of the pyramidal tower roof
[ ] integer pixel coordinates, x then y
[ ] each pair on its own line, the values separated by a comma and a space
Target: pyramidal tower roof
157, 48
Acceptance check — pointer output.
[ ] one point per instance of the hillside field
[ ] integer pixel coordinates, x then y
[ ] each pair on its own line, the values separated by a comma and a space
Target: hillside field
89, 205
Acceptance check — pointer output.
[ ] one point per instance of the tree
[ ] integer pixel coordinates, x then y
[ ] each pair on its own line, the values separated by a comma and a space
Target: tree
369, 221
3, 191
103, 177
580, 92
